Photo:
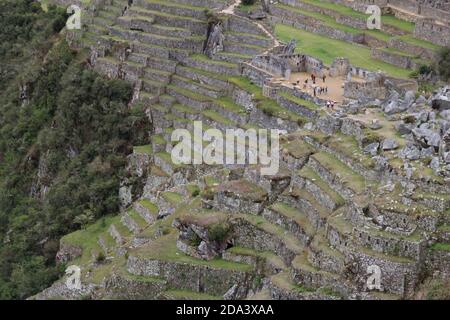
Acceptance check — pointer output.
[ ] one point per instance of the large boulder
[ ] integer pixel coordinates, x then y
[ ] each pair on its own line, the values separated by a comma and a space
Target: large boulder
389, 144
427, 137
410, 152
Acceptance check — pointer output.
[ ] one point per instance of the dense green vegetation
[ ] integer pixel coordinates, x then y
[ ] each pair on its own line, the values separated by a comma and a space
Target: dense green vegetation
64, 136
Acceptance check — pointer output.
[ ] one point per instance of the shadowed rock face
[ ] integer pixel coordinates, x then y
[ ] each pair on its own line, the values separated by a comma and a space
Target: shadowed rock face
214, 44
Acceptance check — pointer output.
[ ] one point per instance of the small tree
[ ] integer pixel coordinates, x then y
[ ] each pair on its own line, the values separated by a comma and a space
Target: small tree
443, 64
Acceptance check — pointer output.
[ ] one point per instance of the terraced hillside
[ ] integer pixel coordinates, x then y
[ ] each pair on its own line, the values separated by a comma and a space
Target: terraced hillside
320, 21
212, 232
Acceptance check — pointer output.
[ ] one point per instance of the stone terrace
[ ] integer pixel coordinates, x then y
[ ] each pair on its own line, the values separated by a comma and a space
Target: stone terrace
209, 232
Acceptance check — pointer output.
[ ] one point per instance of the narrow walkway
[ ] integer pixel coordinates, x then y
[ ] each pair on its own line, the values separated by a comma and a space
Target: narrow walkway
231, 11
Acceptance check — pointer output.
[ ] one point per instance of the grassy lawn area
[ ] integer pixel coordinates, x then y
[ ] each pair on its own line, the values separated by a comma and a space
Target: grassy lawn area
386, 19
328, 49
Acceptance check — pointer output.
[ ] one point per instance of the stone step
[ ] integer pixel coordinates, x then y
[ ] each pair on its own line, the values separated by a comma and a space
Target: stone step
107, 243
318, 188
174, 8
249, 38
213, 277
322, 256
158, 143
211, 4
291, 219
147, 98
153, 87
226, 107
259, 234
297, 105
158, 114
399, 274
240, 196
164, 161
156, 75
167, 100
138, 58
119, 233
131, 71
107, 15
98, 29
108, 66
160, 52
338, 175
209, 78
242, 48
186, 295
232, 57
240, 24
148, 210
120, 284
170, 31
344, 147
132, 222
305, 202
189, 98
116, 8
197, 87
186, 112
194, 44
412, 246
136, 23
202, 62
281, 287
216, 120
304, 274
265, 262
197, 26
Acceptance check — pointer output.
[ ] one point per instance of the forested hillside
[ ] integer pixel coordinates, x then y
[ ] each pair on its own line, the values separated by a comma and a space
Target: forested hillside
64, 136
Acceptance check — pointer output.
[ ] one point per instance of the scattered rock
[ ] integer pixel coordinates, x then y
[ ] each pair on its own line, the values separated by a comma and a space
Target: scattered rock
404, 128
389, 144
372, 148
410, 153
435, 164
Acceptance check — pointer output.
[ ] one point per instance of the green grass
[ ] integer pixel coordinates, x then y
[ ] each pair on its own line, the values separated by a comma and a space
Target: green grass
137, 218
346, 175
190, 295
87, 239
441, 246
294, 214
344, 10
149, 206
143, 150
267, 105
203, 58
165, 249
302, 102
418, 42
309, 174
172, 197
328, 49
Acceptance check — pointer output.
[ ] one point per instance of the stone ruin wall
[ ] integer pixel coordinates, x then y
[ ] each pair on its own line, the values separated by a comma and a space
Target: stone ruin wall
436, 33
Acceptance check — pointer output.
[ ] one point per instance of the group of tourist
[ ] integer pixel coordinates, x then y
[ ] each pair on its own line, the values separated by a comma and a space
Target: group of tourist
319, 90
330, 104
